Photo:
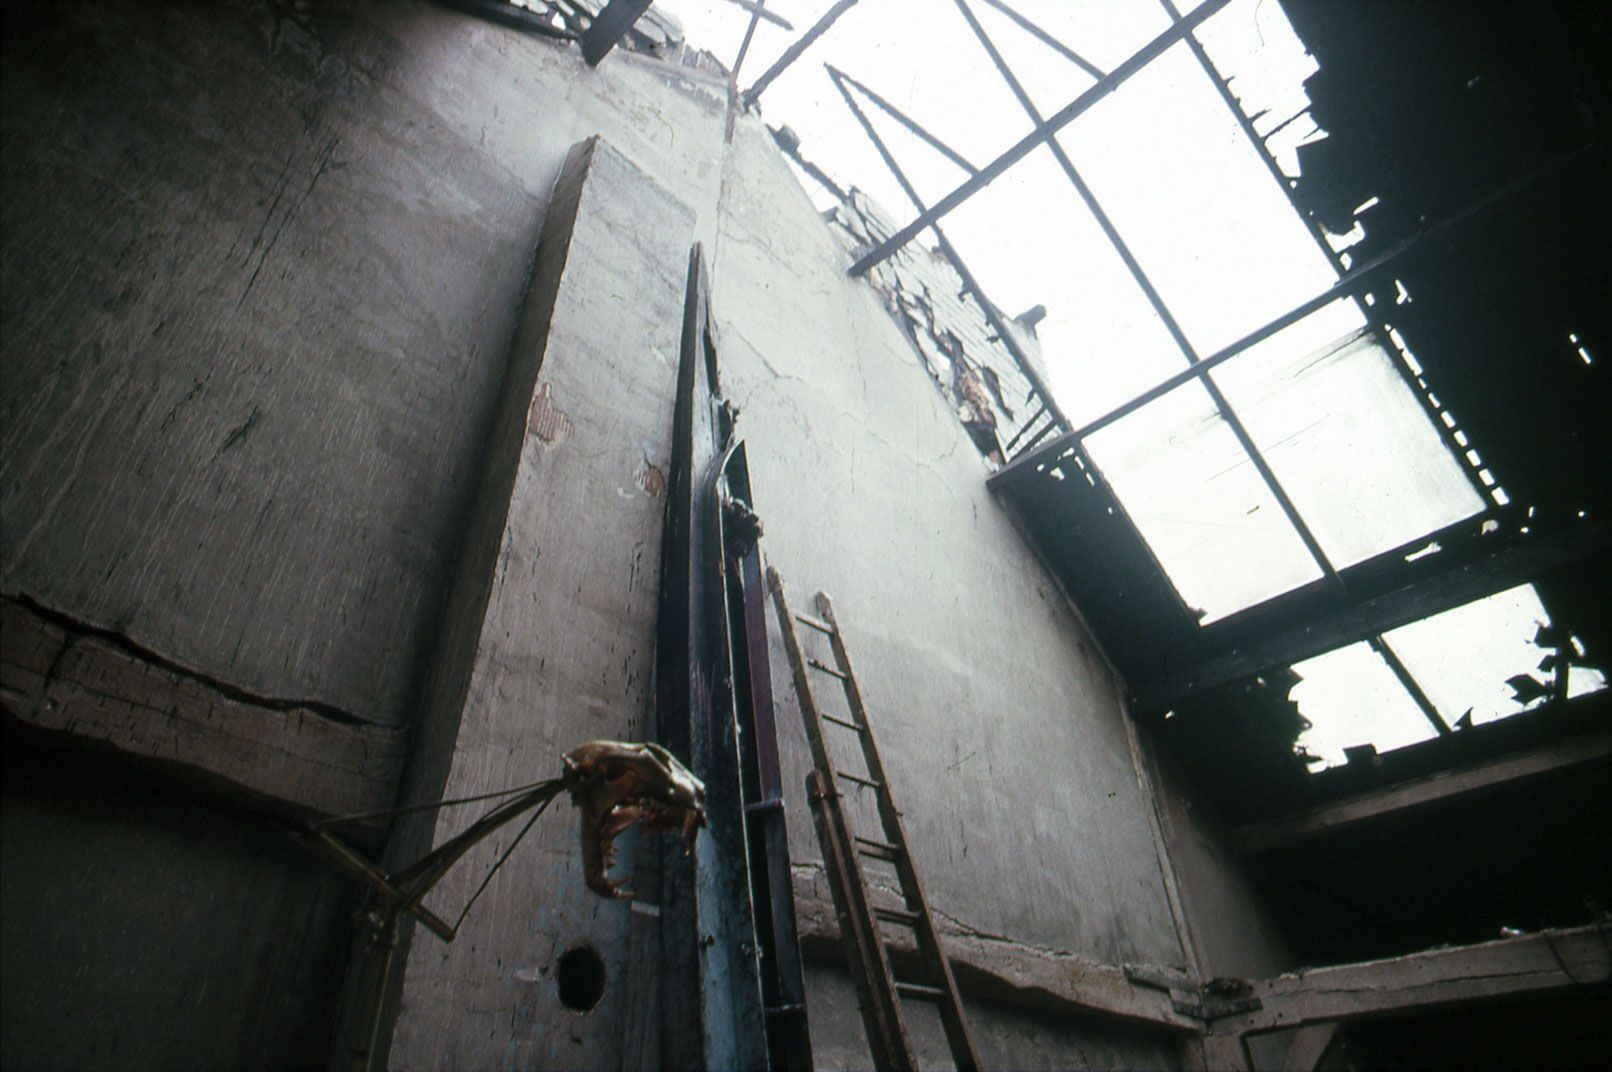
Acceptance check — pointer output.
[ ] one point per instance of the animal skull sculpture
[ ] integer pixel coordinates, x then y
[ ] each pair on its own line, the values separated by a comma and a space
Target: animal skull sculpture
614, 784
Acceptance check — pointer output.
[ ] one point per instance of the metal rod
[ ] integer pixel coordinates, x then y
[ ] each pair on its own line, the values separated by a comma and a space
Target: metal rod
793, 52
1070, 112
901, 117
756, 11
992, 315
759, 7
790, 144
1047, 39
1402, 672
1036, 416
1343, 288
1222, 404
1334, 257
1085, 191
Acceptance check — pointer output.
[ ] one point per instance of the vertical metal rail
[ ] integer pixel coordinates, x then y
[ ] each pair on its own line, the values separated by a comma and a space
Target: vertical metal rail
992, 315
1222, 404
1335, 258
783, 986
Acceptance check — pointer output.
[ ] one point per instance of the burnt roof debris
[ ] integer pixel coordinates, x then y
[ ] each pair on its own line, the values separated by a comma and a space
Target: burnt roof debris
1505, 310
1429, 108
971, 365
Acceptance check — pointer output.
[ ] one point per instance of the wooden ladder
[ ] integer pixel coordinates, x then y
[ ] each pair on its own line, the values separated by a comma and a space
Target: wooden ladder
878, 991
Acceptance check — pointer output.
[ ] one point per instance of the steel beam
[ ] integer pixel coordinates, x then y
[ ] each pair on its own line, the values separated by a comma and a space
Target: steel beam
1068, 114
1156, 300
992, 315
1334, 257
794, 51
759, 9
1047, 39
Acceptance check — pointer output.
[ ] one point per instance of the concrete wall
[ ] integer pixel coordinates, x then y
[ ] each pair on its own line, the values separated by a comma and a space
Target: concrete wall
1006, 752
263, 264
142, 930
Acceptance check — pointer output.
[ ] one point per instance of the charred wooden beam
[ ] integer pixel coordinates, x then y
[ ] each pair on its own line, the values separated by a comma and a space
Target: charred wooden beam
610, 27
1547, 960
1443, 786
1306, 622
1007, 972
95, 689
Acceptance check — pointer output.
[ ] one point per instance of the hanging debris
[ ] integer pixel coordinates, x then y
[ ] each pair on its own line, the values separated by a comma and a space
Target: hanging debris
971, 365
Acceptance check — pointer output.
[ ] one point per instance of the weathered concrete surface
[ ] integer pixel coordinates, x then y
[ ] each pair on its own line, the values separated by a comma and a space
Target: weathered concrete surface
994, 967
999, 722
275, 756
1004, 1037
261, 265
143, 931
564, 644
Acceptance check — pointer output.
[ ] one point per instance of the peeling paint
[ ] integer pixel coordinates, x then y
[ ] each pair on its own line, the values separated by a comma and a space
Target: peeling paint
649, 478
969, 364
547, 421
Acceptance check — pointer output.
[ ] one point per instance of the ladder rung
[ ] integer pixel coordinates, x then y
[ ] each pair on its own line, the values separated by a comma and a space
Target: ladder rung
821, 627
878, 849
921, 992
829, 670
892, 915
858, 779
842, 722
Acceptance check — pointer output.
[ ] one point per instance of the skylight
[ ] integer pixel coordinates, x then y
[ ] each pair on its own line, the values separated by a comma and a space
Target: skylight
1156, 230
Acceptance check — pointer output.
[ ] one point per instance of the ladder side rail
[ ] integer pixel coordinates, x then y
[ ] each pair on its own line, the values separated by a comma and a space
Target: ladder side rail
928, 940
803, 688
870, 963
875, 983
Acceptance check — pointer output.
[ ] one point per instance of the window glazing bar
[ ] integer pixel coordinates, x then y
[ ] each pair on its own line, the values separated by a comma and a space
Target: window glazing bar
1222, 404
1335, 258
1070, 112
992, 315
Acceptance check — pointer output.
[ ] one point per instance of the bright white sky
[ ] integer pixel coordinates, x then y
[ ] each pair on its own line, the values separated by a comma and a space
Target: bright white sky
1218, 238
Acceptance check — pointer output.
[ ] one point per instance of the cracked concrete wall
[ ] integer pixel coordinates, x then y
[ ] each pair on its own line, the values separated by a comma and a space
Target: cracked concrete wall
999, 720
262, 265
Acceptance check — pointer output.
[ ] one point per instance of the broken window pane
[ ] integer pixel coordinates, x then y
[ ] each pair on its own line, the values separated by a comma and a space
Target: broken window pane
1352, 698
1350, 444
1483, 661
1200, 504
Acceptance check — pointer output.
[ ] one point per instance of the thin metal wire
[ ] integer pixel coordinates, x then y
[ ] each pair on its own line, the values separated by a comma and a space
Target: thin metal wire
541, 808
384, 813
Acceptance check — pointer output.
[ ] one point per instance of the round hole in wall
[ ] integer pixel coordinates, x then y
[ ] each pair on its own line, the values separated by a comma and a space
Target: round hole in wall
582, 978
